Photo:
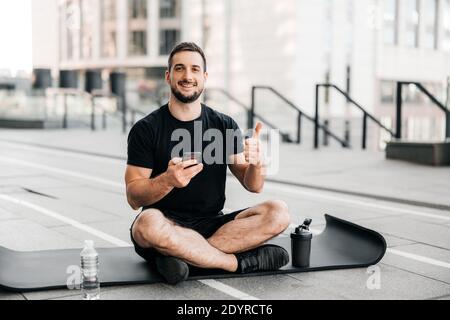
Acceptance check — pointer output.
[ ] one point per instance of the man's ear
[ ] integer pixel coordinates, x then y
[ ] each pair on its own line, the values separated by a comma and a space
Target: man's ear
167, 76
206, 76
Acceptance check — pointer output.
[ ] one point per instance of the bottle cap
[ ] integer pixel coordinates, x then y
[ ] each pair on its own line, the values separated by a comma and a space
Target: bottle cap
302, 232
89, 243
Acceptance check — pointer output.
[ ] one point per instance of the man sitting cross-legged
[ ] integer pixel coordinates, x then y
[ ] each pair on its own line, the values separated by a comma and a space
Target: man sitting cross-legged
182, 221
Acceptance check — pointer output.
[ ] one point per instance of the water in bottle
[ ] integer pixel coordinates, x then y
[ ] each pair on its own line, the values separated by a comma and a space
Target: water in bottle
90, 284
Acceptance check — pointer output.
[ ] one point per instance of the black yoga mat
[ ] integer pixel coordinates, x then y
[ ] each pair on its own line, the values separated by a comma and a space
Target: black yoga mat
342, 245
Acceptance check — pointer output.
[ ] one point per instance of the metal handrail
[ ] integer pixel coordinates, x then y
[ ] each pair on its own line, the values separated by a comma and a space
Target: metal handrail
133, 111
242, 105
91, 96
433, 99
248, 112
300, 112
229, 96
366, 116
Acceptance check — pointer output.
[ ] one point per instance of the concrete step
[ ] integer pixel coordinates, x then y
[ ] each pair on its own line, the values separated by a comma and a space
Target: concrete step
40, 123
432, 153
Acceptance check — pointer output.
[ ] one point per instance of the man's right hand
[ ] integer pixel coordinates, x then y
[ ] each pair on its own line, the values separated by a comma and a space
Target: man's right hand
179, 174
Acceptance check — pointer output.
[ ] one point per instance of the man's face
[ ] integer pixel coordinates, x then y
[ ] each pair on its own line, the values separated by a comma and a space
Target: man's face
187, 77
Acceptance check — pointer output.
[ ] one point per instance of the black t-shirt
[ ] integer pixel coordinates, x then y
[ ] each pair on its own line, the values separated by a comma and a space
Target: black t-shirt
151, 144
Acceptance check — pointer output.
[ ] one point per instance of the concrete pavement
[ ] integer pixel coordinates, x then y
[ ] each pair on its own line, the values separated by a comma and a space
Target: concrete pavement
408, 204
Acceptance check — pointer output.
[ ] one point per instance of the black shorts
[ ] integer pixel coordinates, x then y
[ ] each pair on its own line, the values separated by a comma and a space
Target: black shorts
207, 227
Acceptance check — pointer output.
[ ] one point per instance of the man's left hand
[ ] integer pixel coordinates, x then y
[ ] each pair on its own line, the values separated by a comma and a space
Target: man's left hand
252, 151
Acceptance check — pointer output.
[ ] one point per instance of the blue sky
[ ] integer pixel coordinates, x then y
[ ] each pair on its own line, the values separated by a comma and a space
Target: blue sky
15, 35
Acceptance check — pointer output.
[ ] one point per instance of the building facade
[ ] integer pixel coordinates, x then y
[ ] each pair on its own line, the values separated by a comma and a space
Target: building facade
362, 46
131, 36
365, 47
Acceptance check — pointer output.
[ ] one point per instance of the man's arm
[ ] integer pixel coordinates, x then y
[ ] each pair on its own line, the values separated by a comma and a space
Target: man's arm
248, 167
142, 191
251, 177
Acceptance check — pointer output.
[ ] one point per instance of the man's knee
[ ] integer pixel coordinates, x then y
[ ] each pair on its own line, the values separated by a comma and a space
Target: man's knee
153, 230
277, 216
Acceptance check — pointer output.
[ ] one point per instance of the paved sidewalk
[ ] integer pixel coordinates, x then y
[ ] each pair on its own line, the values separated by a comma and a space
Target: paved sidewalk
352, 171
89, 191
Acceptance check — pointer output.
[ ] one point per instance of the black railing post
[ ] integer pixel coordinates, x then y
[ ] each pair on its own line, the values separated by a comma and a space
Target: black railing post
65, 116
447, 110
316, 120
398, 134
299, 128
251, 113
447, 106
92, 114
124, 115
104, 124
447, 121
348, 82
326, 125
118, 87
364, 139
347, 132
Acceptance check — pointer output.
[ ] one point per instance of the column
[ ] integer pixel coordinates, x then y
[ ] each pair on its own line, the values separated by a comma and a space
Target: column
97, 32
153, 28
122, 29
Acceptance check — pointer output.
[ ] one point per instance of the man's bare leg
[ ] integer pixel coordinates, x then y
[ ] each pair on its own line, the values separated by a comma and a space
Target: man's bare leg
252, 228
153, 230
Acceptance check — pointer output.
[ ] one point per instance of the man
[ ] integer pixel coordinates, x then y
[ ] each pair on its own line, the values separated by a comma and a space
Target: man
182, 221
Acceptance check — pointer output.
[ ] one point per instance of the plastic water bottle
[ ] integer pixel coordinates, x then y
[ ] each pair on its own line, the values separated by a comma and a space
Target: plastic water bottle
90, 284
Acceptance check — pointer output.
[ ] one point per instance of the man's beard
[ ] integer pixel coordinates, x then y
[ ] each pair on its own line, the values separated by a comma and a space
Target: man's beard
186, 99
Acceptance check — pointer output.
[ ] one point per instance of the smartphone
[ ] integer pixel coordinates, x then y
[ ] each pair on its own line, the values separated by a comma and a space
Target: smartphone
192, 156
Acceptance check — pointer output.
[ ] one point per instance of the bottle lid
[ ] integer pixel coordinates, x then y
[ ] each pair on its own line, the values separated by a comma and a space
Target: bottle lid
304, 227
89, 243
303, 232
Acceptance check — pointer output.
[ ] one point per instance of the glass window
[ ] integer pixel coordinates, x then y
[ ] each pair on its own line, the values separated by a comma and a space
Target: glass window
412, 23
387, 89
137, 9
109, 28
138, 43
437, 90
168, 40
169, 8
446, 40
411, 94
390, 19
431, 25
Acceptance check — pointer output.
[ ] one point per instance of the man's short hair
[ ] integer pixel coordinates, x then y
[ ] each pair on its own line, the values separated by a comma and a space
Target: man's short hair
186, 46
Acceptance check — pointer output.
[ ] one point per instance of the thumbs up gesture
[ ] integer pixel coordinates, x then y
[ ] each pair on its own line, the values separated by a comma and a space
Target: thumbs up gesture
252, 150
